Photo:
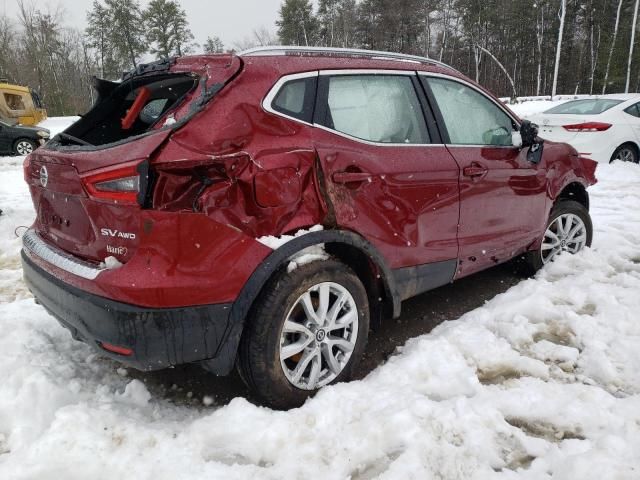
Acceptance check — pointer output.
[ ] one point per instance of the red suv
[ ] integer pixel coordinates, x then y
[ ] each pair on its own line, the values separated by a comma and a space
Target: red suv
264, 209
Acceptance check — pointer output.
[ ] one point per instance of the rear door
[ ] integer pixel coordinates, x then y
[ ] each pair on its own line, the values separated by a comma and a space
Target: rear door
386, 176
502, 195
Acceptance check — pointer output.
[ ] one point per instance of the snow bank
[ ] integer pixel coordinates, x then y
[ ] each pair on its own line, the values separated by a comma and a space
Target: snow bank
542, 381
57, 124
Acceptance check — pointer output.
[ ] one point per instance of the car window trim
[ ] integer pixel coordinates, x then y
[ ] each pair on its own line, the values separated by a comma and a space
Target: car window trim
440, 119
322, 103
319, 109
267, 103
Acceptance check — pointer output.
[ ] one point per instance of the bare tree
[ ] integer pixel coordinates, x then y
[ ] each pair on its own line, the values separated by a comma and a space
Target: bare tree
633, 39
611, 47
562, 15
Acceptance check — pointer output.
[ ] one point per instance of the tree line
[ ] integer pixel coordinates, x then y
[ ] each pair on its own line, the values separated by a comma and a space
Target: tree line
524, 47
39, 50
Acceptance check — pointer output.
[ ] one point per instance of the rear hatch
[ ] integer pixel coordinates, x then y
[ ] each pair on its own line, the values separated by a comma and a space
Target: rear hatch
89, 184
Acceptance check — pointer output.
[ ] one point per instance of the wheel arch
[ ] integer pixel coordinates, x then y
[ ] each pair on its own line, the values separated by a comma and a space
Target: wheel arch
626, 142
348, 247
574, 191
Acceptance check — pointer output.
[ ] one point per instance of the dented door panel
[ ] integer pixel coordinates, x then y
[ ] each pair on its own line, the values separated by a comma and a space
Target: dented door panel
408, 207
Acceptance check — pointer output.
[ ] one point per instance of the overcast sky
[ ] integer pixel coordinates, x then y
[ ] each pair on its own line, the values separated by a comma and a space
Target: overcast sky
230, 20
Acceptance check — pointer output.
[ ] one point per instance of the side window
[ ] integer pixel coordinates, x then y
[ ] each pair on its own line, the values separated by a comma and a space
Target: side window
633, 110
296, 99
14, 102
470, 117
376, 108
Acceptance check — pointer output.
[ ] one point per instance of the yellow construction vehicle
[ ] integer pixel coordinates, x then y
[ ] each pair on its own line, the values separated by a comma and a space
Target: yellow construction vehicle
21, 104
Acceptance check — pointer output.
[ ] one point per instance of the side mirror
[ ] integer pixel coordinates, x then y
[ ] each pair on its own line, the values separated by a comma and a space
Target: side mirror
528, 133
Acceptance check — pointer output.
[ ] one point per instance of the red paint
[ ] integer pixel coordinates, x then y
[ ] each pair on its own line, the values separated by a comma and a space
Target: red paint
503, 204
236, 172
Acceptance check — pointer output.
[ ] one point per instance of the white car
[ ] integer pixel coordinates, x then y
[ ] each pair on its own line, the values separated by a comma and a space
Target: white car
605, 128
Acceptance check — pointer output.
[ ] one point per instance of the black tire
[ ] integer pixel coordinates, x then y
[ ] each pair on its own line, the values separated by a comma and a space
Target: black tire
259, 352
627, 152
533, 260
21, 144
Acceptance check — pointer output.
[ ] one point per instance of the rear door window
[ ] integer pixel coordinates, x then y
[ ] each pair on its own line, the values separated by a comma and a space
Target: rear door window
296, 99
375, 108
470, 117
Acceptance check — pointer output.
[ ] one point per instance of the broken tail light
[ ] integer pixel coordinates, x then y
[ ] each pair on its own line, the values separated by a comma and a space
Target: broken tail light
587, 127
121, 184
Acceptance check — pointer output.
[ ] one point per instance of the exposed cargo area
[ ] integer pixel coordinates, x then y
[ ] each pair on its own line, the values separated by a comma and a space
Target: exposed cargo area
132, 108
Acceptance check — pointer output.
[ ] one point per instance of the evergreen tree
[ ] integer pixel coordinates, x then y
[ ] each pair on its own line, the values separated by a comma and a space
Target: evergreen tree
100, 37
297, 24
213, 45
167, 28
127, 29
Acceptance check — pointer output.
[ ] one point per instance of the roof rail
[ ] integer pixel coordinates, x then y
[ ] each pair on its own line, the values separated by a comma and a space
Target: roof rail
373, 54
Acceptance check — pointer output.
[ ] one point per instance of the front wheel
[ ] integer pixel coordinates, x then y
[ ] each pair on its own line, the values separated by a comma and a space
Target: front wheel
24, 146
307, 330
569, 230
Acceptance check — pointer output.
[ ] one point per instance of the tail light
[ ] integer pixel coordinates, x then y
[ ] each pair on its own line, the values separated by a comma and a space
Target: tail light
588, 127
120, 184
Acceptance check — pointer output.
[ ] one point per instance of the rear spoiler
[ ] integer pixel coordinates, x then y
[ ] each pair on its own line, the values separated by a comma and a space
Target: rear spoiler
157, 66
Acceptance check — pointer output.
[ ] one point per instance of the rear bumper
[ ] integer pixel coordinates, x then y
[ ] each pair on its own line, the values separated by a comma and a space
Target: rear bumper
159, 338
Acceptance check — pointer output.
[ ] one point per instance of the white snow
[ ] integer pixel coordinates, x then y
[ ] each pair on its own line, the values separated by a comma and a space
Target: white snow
276, 242
310, 254
541, 382
111, 263
57, 124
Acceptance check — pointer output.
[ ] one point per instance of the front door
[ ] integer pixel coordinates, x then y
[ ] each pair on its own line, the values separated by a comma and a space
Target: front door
502, 195
384, 174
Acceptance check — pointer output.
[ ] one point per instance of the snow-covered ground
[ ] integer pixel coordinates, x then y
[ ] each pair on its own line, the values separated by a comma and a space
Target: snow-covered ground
541, 382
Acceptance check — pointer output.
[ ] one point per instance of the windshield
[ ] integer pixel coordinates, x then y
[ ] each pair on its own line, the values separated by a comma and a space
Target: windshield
585, 107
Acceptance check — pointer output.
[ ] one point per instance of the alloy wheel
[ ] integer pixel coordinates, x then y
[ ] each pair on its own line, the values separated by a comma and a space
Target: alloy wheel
625, 155
566, 233
318, 336
23, 147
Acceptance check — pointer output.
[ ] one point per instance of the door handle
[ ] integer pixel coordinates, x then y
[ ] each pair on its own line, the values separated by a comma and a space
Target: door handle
351, 177
475, 170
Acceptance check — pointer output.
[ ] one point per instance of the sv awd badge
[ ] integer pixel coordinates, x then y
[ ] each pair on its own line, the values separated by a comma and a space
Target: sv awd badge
107, 232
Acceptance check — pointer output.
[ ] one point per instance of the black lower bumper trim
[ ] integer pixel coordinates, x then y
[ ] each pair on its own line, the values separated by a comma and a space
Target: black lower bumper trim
159, 338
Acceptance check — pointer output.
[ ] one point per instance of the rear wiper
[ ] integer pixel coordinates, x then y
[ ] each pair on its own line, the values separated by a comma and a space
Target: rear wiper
73, 139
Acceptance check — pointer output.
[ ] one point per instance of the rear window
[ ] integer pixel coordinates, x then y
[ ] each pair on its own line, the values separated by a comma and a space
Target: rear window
132, 108
585, 107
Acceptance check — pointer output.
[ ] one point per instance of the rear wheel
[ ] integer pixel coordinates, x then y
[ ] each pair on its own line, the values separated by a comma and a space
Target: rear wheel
307, 330
569, 230
24, 146
627, 152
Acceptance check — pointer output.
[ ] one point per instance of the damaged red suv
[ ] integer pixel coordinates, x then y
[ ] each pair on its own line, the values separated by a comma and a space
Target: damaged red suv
264, 209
